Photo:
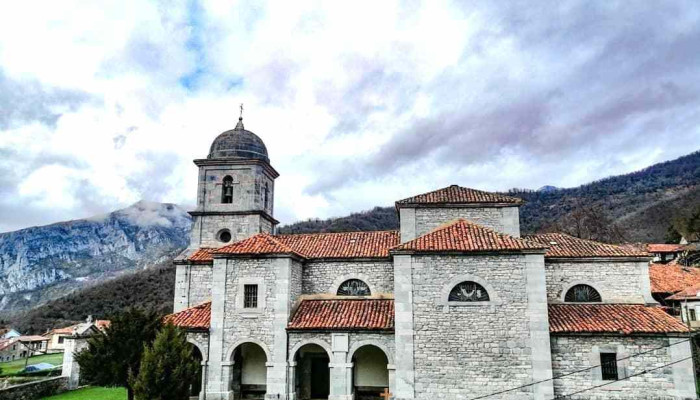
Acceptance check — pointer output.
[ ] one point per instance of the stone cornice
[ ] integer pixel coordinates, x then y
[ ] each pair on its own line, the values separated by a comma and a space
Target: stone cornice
251, 212
222, 161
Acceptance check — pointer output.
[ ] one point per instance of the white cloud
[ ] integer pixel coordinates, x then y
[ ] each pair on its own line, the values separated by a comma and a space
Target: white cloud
359, 103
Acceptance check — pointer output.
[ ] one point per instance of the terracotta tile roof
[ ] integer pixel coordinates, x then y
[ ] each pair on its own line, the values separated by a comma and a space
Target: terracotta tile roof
202, 254
102, 324
346, 314
672, 278
197, 317
688, 293
317, 245
611, 318
566, 246
459, 195
31, 338
261, 243
664, 248
343, 245
465, 236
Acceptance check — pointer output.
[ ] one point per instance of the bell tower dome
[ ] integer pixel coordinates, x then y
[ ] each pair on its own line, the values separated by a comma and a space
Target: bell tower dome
235, 194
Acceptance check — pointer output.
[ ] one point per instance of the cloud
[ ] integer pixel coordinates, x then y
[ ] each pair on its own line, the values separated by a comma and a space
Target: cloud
357, 108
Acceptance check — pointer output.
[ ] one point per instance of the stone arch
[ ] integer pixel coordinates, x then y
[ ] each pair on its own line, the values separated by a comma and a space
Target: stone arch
333, 289
570, 285
232, 348
323, 344
357, 345
494, 298
205, 355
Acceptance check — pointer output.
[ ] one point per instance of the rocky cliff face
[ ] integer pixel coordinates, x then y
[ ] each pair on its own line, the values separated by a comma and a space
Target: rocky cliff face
40, 263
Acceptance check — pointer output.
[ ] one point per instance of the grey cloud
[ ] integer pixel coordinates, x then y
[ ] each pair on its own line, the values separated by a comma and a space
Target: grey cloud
641, 77
23, 102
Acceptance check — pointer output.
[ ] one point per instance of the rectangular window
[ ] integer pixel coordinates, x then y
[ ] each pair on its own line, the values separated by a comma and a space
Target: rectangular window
250, 296
60, 339
608, 364
692, 315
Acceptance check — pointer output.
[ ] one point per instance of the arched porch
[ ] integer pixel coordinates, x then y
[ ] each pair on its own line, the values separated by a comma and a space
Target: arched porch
309, 376
248, 378
372, 373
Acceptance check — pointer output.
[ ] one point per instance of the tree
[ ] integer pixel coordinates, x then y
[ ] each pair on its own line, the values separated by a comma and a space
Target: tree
589, 222
672, 235
167, 368
115, 355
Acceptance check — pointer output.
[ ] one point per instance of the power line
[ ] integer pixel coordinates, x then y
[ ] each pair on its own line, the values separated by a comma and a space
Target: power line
625, 378
575, 372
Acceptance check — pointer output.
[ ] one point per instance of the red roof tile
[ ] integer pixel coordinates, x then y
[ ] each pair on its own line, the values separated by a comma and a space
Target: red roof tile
611, 318
459, 195
343, 245
203, 254
346, 314
672, 278
197, 317
688, 293
664, 248
465, 236
317, 245
566, 246
262, 243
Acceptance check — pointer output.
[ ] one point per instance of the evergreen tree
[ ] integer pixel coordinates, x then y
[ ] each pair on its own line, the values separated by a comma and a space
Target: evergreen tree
672, 235
167, 368
115, 355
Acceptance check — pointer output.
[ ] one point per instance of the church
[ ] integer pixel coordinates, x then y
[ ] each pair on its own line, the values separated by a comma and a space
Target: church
456, 304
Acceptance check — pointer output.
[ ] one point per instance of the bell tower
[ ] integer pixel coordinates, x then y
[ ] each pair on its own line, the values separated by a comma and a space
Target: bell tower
235, 194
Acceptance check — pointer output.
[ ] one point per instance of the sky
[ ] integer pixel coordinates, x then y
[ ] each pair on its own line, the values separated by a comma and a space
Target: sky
360, 103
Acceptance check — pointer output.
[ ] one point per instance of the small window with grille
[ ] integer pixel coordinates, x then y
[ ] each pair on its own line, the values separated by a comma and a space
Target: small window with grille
250, 296
608, 364
353, 287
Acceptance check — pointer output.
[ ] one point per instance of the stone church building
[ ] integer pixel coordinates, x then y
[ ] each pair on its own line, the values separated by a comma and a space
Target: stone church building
456, 304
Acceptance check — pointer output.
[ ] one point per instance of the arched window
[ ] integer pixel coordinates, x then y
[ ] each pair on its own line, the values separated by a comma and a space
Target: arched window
353, 287
227, 190
582, 294
468, 291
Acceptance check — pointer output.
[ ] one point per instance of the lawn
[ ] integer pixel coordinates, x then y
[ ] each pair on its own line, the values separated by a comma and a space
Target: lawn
91, 393
12, 367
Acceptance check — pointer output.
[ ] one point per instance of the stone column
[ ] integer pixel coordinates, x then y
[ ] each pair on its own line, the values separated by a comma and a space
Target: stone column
392, 378
403, 303
341, 370
217, 380
539, 327
291, 380
182, 287
203, 391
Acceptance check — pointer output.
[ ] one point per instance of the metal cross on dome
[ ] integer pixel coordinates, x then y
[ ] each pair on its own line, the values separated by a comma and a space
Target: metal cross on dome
241, 116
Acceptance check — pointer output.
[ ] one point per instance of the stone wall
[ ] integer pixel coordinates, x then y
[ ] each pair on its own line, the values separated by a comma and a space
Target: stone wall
616, 281
471, 350
326, 276
201, 340
192, 285
205, 228
35, 390
248, 188
571, 353
501, 219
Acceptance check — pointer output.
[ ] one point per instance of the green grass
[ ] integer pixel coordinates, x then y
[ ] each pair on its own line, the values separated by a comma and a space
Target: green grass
91, 393
12, 367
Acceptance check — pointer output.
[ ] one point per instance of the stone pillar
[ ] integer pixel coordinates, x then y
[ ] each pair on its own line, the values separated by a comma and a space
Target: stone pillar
71, 369
403, 303
539, 327
407, 221
683, 372
292, 380
217, 380
392, 378
182, 287
277, 365
341, 370
203, 391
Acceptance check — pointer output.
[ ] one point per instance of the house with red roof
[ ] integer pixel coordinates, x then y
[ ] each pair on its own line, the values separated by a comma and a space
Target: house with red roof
456, 304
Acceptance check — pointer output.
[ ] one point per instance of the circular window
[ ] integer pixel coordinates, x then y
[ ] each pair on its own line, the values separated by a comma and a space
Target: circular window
224, 236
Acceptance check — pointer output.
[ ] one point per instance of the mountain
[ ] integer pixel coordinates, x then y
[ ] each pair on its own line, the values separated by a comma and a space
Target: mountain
41, 263
641, 204
547, 188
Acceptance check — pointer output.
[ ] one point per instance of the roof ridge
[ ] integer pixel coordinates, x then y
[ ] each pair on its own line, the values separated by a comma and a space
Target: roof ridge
507, 198
334, 233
